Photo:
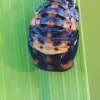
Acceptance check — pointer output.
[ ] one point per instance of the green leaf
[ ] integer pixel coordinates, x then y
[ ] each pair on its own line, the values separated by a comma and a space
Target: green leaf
19, 78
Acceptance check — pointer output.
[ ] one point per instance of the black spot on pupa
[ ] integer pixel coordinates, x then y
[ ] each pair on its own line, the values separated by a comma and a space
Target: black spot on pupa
41, 47
56, 49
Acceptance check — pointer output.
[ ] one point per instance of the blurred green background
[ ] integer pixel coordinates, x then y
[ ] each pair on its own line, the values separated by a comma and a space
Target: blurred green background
90, 17
90, 10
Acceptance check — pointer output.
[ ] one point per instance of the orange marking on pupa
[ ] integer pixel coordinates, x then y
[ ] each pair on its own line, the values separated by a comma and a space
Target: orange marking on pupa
67, 65
52, 13
50, 23
67, 11
35, 62
37, 23
37, 16
49, 34
55, 5
48, 43
66, 25
32, 22
48, 59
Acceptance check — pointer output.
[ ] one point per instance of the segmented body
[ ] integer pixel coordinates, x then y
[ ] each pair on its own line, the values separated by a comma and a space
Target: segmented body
53, 38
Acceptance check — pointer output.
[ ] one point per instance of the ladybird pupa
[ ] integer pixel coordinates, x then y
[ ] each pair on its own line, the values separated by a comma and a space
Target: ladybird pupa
53, 37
